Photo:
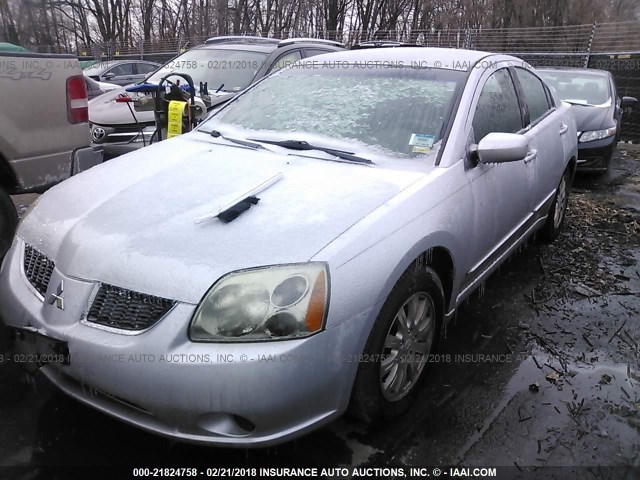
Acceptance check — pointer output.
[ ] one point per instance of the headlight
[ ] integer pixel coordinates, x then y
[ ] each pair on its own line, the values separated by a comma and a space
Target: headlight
269, 303
597, 134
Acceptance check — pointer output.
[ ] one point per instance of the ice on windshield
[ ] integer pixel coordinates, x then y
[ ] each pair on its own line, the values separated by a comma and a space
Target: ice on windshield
399, 110
574, 87
224, 70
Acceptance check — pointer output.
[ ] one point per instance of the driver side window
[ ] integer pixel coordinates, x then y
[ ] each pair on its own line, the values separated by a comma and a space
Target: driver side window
498, 109
122, 69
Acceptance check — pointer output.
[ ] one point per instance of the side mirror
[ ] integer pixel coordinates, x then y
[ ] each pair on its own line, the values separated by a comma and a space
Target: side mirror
108, 75
501, 147
628, 102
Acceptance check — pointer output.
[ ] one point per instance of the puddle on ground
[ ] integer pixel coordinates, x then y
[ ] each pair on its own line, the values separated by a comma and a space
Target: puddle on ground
549, 405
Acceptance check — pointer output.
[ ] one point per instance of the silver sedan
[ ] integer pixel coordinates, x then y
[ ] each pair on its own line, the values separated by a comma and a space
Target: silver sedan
299, 254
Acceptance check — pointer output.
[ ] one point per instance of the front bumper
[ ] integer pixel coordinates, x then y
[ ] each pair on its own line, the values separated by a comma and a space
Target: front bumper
595, 156
119, 139
226, 394
112, 150
85, 158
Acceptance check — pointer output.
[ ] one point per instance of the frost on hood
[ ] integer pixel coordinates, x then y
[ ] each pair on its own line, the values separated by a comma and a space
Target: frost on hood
379, 109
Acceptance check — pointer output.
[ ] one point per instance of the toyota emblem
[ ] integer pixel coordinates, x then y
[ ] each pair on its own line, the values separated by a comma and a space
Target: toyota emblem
98, 134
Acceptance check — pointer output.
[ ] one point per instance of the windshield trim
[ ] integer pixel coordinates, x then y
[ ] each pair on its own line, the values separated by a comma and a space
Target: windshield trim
455, 107
446, 126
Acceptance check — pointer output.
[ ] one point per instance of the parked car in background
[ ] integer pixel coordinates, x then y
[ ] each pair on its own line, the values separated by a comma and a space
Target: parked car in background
226, 64
95, 89
84, 64
44, 131
597, 108
319, 231
121, 72
381, 44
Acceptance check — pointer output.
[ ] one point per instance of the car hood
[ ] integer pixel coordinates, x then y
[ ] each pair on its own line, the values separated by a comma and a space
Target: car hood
103, 110
592, 118
131, 221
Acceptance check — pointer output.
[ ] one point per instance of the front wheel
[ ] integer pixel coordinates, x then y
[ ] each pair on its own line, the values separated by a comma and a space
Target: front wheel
397, 351
8, 222
558, 211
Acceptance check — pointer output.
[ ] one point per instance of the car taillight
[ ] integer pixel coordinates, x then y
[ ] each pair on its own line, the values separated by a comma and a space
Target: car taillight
77, 103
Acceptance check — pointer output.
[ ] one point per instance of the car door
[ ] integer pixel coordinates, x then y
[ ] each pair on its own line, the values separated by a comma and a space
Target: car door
500, 192
546, 133
121, 74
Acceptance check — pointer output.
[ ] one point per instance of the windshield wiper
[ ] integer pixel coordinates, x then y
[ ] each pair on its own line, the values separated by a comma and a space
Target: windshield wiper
217, 134
302, 145
582, 104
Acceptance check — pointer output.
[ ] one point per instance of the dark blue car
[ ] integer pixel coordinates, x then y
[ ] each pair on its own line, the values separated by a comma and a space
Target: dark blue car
597, 109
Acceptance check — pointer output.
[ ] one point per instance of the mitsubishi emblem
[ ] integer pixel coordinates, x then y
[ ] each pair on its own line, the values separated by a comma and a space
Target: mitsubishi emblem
57, 297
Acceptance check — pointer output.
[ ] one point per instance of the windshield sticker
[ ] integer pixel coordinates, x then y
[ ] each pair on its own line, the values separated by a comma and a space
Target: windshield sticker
421, 140
419, 149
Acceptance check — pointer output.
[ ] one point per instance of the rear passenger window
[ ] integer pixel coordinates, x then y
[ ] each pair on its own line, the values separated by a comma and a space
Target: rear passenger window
498, 109
534, 93
122, 69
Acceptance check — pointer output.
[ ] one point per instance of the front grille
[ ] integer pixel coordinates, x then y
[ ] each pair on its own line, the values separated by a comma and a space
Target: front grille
592, 162
117, 307
38, 269
127, 133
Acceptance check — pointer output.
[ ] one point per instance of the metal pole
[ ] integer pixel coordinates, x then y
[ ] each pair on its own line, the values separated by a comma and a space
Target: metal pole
593, 34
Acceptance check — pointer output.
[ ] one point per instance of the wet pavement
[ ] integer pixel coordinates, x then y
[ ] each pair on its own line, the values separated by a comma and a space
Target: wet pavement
540, 368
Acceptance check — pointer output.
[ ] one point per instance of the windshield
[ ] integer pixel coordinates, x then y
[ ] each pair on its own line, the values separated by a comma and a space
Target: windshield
223, 70
398, 110
577, 87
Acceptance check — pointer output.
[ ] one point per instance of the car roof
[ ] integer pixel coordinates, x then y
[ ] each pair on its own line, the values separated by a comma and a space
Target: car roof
588, 71
249, 47
446, 58
107, 64
266, 47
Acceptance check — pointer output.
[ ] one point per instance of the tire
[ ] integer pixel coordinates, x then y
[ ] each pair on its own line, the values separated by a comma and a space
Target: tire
8, 222
379, 391
558, 211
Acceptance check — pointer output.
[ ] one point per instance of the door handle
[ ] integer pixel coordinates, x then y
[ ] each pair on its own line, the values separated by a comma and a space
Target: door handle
563, 129
531, 156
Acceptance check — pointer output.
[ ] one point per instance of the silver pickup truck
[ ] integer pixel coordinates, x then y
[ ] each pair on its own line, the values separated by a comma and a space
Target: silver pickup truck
44, 129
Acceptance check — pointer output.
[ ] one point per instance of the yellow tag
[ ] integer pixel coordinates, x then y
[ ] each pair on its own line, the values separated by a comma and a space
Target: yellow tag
419, 149
174, 127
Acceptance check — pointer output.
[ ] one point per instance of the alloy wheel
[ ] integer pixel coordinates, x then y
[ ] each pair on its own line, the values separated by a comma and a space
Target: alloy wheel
407, 345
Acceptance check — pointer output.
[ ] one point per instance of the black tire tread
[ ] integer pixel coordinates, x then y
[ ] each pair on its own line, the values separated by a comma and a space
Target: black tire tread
367, 403
548, 233
8, 222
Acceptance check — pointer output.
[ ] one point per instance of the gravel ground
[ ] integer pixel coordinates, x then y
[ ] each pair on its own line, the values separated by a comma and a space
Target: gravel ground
542, 368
